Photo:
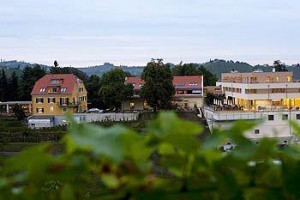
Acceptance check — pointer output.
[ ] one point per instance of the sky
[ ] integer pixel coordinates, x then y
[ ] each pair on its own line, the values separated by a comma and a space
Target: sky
83, 33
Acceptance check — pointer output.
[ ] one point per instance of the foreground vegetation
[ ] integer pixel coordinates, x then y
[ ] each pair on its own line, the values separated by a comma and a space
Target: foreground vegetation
166, 161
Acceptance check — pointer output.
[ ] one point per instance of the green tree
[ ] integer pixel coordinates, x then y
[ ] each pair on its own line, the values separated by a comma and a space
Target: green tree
19, 113
279, 66
28, 78
13, 87
92, 86
209, 79
3, 86
112, 90
158, 89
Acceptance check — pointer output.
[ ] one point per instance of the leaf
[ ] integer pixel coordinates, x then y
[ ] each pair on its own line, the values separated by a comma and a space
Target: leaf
67, 192
110, 180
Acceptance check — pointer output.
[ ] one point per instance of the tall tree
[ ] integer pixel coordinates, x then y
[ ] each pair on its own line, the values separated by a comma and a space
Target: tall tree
28, 78
279, 66
3, 86
113, 91
55, 63
158, 89
92, 86
13, 87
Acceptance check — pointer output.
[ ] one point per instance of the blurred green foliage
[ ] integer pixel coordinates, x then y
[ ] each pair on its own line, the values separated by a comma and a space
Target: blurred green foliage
167, 161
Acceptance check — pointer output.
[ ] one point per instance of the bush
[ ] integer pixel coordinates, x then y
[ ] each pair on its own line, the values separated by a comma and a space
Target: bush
168, 162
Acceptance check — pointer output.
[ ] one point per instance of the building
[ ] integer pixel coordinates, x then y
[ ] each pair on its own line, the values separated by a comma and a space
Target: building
6, 108
188, 93
270, 96
56, 94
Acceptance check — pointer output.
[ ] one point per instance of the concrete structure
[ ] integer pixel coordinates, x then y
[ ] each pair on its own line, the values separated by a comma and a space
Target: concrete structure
55, 94
188, 93
269, 96
6, 108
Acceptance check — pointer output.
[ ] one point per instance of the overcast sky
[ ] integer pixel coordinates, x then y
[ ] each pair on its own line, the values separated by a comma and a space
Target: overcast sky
131, 32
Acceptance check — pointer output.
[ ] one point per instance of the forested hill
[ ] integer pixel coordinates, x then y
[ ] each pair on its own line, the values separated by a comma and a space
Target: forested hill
221, 66
216, 66
101, 69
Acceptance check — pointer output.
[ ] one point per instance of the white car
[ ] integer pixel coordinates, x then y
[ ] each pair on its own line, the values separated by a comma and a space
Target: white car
94, 110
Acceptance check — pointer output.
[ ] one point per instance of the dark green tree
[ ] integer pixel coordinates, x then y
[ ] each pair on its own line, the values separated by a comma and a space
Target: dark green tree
113, 91
158, 89
13, 87
19, 113
28, 78
279, 66
3, 86
55, 63
209, 79
92, 86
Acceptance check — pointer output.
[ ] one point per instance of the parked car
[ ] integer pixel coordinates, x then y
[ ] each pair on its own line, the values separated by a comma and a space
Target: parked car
94, 110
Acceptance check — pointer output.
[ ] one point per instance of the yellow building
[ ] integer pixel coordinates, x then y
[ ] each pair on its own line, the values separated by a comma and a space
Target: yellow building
55, 94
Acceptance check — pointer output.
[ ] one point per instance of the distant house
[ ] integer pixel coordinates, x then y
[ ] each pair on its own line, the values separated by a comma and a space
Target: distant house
188, 93
55, 94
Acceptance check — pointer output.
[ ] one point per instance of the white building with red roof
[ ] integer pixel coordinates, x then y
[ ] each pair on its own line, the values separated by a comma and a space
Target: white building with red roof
188, 93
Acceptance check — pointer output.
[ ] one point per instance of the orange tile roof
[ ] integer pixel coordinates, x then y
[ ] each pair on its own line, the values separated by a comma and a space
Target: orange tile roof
67, 81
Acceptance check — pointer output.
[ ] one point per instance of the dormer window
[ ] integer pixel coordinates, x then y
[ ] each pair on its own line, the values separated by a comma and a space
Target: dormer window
63, 89
193, 84
42, 89
55, 81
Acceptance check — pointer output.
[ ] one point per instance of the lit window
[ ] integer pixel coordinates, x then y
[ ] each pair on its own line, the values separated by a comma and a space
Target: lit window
40, 110
289, 78
51, 109
131, 105
63, 89
42, 89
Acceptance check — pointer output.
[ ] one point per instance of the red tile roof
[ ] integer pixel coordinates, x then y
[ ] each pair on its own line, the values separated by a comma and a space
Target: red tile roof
67, 81
137, 82
188, 82
179, 82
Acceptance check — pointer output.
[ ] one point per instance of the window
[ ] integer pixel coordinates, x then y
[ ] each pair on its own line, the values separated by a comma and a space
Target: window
271, 117
42, 89
51, 100
256, 131
131, 105
298, 116
289, 78
285, 117
51, 109
54, 89
63, 89
39, 100
40, 110
55, 81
